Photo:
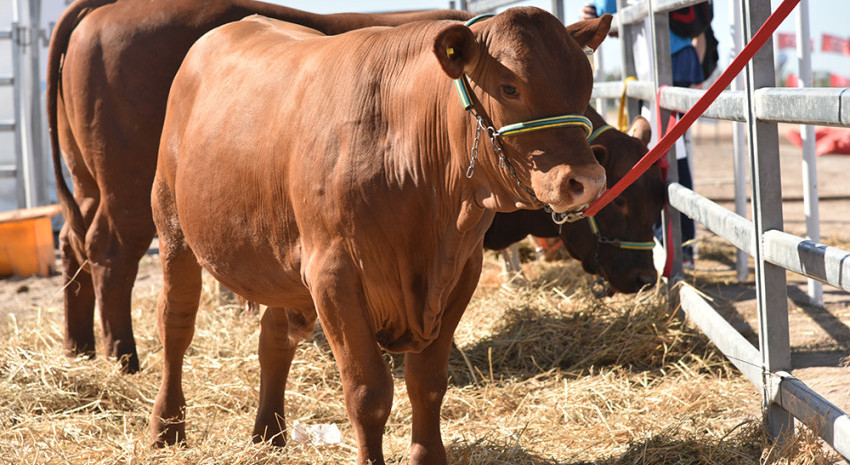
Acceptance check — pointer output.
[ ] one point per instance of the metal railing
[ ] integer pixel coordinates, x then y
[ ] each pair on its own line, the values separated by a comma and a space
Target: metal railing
761, 106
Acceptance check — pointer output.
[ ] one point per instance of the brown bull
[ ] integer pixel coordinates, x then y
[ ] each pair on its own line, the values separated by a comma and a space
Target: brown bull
620, 251
106, 105
326, 177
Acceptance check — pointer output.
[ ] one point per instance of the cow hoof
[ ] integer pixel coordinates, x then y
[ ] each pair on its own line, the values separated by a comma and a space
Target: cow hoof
272, 436
129, 364
168, 434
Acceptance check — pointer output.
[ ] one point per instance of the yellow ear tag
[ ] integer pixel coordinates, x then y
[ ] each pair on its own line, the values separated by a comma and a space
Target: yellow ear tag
449, 52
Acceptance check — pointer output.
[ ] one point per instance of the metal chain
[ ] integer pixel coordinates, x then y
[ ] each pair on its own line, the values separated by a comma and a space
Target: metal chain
474, 154
558, 218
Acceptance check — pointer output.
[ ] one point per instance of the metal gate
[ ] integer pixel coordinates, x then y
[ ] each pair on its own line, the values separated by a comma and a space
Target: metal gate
760, 106
29, 168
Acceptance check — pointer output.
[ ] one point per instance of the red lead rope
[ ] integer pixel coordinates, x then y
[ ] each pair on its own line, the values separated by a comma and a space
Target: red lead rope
698, 109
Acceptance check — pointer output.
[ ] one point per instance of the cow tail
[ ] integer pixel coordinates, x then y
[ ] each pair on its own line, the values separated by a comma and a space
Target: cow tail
59, 39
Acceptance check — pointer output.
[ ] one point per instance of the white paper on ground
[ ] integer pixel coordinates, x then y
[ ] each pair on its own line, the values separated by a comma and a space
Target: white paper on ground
316, 434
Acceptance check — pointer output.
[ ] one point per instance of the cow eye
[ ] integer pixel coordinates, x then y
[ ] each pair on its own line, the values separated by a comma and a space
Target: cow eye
620, 202
509, 91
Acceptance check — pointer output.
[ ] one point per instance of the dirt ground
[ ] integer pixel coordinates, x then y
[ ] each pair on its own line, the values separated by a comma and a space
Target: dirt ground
820, 336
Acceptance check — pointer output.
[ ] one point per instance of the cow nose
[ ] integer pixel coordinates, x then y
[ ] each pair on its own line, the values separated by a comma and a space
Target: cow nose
582, 185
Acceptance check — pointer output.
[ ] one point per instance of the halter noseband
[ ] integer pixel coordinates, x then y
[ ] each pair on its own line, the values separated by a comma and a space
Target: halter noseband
567, 120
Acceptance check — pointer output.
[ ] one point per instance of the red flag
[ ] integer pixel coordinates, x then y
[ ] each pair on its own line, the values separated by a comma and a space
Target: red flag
830, 43
786, 40
792, 81
838, 81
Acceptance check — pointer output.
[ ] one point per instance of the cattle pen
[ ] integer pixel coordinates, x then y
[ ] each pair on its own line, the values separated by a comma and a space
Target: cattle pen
760, 106
540, 374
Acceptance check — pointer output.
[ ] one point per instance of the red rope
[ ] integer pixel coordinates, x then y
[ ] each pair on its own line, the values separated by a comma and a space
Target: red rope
661, 148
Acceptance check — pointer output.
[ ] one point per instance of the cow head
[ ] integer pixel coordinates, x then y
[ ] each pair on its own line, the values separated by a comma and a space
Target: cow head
523, 65
629, 218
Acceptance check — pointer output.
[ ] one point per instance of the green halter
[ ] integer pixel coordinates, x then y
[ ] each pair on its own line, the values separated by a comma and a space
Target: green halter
462, 87
463, 91
616, 242
598, 131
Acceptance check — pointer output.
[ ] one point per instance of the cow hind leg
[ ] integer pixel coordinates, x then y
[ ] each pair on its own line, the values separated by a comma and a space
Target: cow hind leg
278, 338
176, 311
79, 302
116, 248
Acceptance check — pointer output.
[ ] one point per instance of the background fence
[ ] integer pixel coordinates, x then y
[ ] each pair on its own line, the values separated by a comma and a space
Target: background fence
757, 106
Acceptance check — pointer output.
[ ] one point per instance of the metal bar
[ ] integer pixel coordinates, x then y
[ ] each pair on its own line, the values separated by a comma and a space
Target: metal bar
642, 90
6, 34
732, 227
735, 347
807, 134
771, 296
728, 106
823, 417
636, 13
819, 106
811, 259
817, 261
845, 107
17, 98
607, 90
7, 126
558, 9
38, 169
659, 28
822, 106
629, 43
739, 137
7, 80
485, 6
8, 171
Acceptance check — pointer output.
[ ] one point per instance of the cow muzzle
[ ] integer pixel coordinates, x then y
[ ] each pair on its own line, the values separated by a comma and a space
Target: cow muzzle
569, 187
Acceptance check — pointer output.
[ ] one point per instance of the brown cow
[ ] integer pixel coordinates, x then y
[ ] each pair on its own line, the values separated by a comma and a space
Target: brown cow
628, 220
326, 176
106, 110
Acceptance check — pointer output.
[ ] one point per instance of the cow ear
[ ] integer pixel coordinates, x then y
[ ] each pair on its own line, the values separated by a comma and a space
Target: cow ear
591, 32
640, 129
601, 154
455, 48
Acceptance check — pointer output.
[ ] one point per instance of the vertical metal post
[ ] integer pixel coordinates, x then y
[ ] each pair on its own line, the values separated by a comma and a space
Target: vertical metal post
627, 56
739, 138
599, 70
558, 9
21, 173
38, 174
807, 133
771, 296
659, 29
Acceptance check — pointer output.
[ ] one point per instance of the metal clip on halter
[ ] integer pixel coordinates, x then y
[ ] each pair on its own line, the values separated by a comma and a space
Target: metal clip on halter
568, 217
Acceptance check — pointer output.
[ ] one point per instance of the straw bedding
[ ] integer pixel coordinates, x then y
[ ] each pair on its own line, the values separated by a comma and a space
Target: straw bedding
540, 374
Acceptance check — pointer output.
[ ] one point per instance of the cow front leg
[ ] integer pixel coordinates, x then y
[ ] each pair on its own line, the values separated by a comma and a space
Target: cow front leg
278, 339
426, 374
367, 383
79, 301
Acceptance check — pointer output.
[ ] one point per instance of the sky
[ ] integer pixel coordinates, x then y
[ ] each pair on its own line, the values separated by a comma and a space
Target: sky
826, 16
